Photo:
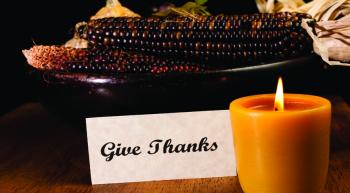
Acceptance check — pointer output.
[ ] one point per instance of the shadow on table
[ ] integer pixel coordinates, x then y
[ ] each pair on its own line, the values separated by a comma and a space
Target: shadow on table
40, 148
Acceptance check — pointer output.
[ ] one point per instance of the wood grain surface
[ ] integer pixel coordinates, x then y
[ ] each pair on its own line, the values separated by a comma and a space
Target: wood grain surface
42, 153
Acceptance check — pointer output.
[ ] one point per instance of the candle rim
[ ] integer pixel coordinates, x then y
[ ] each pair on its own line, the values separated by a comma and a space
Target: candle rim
320, 103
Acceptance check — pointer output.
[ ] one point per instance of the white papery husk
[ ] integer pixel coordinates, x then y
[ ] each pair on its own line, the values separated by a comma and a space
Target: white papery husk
114, 8
331, 34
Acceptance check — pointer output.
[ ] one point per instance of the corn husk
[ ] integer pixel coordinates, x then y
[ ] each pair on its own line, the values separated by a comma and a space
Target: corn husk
331, 33
114, 8
332, 41
321, 10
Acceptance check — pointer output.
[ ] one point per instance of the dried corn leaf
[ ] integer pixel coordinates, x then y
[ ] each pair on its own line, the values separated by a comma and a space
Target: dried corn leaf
190, 9
331, 12
271, 6
321, 10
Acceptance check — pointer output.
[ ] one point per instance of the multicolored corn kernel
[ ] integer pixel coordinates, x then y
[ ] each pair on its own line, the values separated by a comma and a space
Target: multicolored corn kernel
104, 61
221, 37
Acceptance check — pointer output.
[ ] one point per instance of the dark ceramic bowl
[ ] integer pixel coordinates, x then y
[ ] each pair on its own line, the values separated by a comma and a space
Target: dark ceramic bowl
78, 95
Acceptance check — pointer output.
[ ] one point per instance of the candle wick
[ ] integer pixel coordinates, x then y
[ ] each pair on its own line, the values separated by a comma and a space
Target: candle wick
276, 109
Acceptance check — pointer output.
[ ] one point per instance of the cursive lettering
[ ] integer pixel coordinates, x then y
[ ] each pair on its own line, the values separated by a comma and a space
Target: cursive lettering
169, 147
155, 146
109, 150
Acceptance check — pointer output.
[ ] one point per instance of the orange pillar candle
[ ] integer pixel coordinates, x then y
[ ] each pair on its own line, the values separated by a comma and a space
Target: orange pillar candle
282, 144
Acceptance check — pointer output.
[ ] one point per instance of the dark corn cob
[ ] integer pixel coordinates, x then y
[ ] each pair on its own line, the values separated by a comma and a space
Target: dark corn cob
104, 61
253, 38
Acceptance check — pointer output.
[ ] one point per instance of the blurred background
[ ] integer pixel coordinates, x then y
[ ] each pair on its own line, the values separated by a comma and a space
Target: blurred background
51, 22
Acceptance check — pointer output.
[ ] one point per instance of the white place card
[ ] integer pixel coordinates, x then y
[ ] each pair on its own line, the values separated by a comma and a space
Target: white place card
160, 147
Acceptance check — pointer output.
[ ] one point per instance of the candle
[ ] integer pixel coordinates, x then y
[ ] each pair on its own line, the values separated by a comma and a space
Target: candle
281, 142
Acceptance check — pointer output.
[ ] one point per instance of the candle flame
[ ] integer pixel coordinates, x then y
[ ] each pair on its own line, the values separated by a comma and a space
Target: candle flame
279, 99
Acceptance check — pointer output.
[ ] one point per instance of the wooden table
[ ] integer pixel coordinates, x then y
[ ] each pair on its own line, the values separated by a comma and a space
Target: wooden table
41, 153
